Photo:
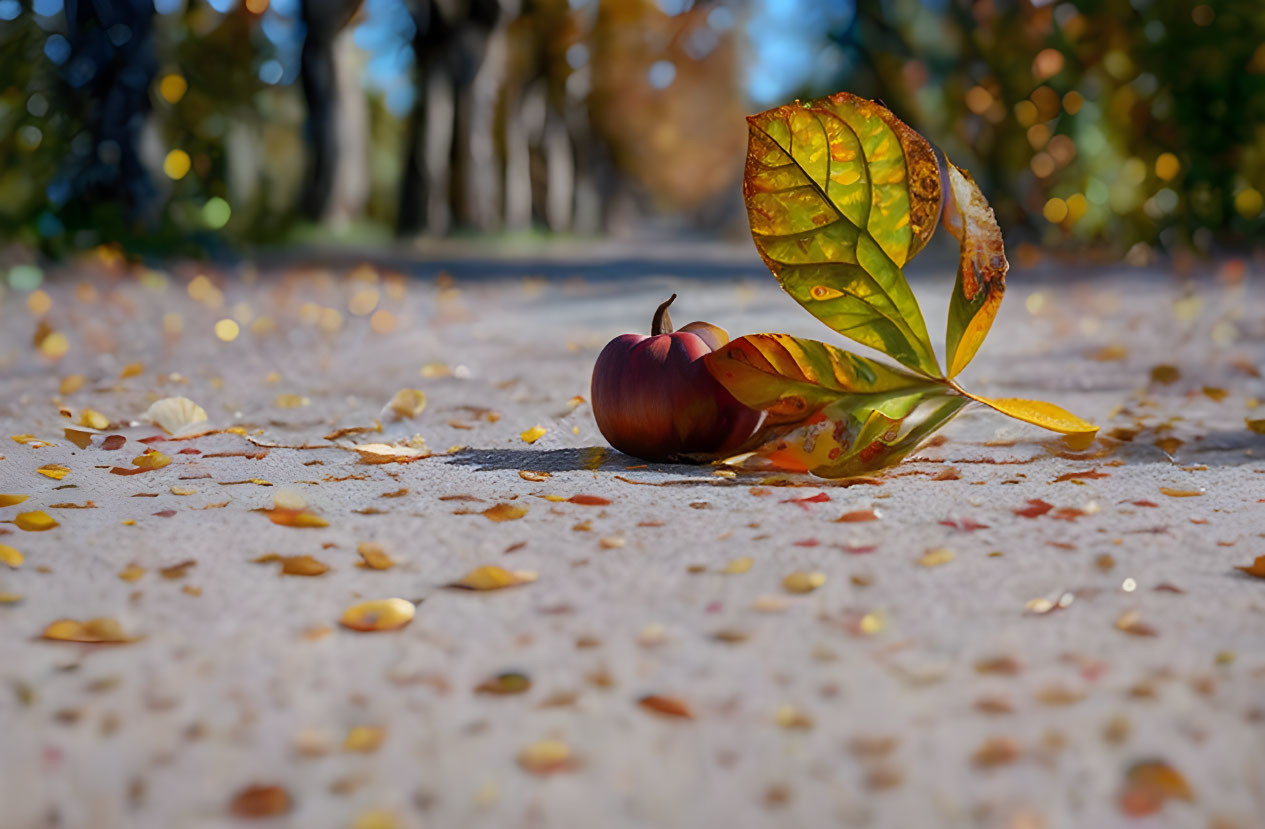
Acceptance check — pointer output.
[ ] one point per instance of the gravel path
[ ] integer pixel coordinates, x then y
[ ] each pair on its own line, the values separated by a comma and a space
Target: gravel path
1014, 631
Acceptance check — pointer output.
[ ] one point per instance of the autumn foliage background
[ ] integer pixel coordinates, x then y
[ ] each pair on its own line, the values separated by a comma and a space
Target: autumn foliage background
1109, 128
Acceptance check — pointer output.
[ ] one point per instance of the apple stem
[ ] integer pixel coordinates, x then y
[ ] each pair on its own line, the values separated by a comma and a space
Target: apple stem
662, 323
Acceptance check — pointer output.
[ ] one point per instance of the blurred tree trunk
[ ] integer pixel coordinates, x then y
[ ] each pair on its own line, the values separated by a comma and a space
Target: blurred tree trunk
323, 20
449, 131
107, 77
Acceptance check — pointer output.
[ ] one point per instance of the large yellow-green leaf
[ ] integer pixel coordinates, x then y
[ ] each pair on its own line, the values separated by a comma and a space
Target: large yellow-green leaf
791, 378
844, 440
1045, 415
840, 194
982, 268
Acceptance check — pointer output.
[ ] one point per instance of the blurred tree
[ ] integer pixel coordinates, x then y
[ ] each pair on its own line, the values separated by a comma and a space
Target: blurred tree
448, 121
106, 74
323, 20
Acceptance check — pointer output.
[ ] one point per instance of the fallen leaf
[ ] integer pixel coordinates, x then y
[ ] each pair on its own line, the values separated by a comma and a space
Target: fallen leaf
378, 615
996, 751
302, 565
132, 572
788, 716
589, 500
538, 477
1131, 622
1256, 568
504, 512
12, 500
547, 757
1256, 425
406, 404
803, 582
34, 522
493, 577
56, 471
131, 370
113, 442
1035, 508
505, 683
666, 706
738, 566
858, 516
1165, 374
534, 434
373, 556
936, 557
260, 801
379, 453
93, 419
177, 416
10, 556
93, 631
365, 739
1180, 493
1149, 784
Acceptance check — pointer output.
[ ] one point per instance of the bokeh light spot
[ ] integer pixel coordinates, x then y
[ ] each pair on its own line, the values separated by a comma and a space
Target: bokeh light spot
1055, 210
176, 164
172, 87
1167, 166
216, 213
1249, 202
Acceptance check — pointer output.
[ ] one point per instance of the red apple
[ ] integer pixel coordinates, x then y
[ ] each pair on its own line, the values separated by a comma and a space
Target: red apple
654, 398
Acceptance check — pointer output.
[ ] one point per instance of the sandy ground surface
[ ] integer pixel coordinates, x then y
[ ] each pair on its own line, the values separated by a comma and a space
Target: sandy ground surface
908, 690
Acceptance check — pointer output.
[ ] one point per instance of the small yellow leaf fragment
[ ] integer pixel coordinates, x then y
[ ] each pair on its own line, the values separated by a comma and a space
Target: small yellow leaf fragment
35, 522
1256, 425
504, 512
378, 615
376, 819
1165, 374
534, 434
183, 490
151, 460
738, 566
373, 556
290, 401
547, 757
132, 572
936, 557
31, 441
10, 556
493, 577
1131, 622
803, 582
1180, 493
612, 542
529, 475
11, 500
788, 716
93, 631
93, 419
302, 565
406, 404
131, 370
10, 598
365, 739
56, 471
71, 383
